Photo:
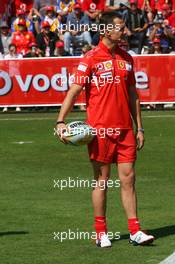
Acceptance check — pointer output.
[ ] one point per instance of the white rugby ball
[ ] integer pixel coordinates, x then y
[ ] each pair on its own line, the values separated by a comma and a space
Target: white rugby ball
79, 133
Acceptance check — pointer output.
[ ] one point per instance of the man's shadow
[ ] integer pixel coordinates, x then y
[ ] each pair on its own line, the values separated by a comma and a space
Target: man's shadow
12, 233
157, 233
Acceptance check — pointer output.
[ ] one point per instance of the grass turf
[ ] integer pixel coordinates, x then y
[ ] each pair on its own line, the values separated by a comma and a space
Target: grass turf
32, 209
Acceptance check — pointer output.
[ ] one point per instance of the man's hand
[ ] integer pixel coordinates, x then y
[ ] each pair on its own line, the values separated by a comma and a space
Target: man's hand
139, 29
140, 140
60, 129
73, 32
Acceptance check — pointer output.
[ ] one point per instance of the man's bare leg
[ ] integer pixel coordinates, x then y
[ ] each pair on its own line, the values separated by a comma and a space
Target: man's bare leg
101, 175
99, 193
129, 199
128, 193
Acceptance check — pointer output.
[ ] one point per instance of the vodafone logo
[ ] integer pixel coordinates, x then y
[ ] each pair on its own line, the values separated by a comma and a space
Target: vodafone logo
40, 82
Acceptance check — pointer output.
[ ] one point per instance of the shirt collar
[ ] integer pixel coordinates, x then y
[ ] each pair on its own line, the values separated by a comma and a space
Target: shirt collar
105, 48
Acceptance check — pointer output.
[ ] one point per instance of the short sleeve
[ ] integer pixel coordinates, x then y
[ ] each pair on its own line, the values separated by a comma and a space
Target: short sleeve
83, 73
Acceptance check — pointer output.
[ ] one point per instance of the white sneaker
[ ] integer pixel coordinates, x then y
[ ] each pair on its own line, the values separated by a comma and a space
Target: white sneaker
5, 109
103, 242
140, 238
18, 109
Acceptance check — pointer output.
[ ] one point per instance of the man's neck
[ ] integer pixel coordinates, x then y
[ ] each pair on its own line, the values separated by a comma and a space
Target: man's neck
111, 45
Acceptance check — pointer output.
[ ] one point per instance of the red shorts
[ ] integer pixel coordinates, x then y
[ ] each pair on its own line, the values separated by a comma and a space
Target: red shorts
114, 149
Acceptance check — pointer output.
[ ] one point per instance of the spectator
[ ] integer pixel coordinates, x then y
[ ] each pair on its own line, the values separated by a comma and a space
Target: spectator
59, 50
21, 14
125, 46
77, 28
57, 26
159, 4
46, 40
112, 5
65, 7
156, 48
136, 23
12, 54
117, 5
86, 48
41, 5
33, 51
50, 15
22, 38
93, 8
95, 39
169, 15
5, 38
24, 4
35, 17
162, 31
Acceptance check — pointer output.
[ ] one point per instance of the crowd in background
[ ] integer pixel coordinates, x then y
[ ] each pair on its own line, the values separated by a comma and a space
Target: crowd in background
43, 28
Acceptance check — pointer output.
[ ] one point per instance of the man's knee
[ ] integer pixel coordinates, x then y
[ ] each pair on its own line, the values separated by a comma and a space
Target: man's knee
101, 172
67, 36
87, 37
127, 178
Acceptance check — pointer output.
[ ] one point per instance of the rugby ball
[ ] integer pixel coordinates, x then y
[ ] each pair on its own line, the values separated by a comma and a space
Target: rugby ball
79, 133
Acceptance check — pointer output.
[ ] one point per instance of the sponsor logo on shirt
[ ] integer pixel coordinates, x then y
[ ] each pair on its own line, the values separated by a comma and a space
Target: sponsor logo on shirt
123, 65
82, 67
108, 65
106, 74
104, 66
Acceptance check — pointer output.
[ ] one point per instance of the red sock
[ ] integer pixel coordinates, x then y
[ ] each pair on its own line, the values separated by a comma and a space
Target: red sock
133, 225
100, 226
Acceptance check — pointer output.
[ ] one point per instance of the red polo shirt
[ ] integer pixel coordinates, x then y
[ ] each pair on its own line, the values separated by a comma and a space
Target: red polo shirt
107, 79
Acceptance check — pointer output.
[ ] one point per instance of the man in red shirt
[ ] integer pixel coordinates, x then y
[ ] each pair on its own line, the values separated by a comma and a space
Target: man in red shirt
93, 8
111, 97
22, 38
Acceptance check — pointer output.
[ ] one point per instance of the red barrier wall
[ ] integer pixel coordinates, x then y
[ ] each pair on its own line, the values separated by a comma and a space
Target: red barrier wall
46, 81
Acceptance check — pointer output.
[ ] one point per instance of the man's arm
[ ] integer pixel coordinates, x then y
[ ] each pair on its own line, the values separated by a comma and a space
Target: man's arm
69, 101
66, 108
136, 115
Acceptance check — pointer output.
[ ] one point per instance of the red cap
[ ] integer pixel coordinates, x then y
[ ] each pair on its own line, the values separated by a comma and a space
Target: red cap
77, 6
165, 7
59, 44
133, 1
45, 24
156, 40
50, 8
33, 44
21, 22
20, 12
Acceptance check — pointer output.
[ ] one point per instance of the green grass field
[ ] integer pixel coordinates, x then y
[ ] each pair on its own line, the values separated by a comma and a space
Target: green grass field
31, 209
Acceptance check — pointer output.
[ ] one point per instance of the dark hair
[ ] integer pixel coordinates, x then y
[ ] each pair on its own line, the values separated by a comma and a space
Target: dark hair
108, 17
12, 45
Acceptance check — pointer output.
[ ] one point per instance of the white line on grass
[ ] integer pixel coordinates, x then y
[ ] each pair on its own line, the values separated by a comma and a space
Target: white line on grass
169, 260
22, 142
158, 116
70, 118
